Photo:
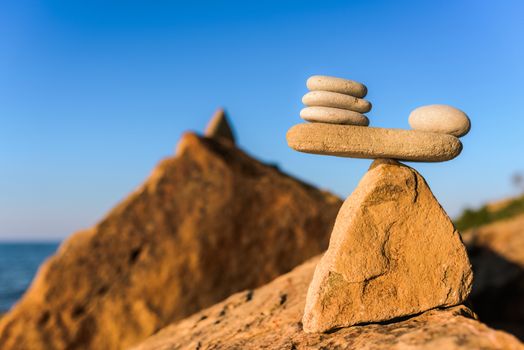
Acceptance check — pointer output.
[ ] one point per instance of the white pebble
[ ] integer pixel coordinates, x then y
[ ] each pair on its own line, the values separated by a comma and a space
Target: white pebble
441, 119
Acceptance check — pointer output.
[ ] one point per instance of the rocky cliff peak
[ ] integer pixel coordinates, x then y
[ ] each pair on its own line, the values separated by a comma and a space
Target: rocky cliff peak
220, 127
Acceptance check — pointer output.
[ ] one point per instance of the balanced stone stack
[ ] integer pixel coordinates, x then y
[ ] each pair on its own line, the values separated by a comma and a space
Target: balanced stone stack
335, 108
393, 252
335, 101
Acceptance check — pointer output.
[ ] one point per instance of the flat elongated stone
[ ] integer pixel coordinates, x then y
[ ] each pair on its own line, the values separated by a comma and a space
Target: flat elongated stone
333, 116
336, 100
393, 252
440, 118
343, 86
366, 142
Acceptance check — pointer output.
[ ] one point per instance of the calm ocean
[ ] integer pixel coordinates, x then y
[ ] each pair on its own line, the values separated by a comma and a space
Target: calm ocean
18, 265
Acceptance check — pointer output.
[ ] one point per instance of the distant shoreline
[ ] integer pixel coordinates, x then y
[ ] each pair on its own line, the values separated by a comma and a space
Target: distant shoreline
26, 256
7, 242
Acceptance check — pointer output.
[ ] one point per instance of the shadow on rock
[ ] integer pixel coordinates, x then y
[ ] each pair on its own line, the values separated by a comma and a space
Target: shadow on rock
498, 290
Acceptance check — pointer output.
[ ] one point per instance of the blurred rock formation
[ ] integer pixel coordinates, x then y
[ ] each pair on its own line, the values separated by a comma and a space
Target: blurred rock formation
208, 222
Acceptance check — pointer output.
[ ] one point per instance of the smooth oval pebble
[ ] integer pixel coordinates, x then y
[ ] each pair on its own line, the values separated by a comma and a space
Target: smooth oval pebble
333, 116
333, 84
336, 100
442, 119
372, 143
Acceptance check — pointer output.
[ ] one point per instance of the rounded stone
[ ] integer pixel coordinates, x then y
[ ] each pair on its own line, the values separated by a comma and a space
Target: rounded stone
333, 116
333, 84
442, 119
336, 100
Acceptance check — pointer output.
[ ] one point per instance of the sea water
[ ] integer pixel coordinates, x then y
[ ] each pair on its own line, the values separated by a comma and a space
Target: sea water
18, 265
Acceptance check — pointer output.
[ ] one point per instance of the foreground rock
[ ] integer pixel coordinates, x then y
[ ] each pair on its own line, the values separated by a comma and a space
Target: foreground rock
393, 252
269, 318
207, 223
497, 254
365, 142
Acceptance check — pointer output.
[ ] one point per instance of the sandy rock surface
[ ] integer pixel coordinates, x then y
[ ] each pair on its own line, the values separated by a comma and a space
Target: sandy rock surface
366, 142
393, 252
270, 318
207, 223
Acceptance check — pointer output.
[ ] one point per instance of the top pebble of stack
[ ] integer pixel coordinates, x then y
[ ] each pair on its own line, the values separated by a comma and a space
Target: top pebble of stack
333, 84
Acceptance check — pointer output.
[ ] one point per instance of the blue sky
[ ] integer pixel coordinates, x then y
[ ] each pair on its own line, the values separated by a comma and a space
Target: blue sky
94, 93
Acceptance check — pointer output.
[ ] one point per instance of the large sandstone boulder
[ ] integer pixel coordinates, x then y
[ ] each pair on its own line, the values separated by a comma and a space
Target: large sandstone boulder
393, 252
270, 318
208, 222
497, 254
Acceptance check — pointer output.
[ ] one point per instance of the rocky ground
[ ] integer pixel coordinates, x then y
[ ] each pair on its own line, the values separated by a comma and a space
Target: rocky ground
270, 318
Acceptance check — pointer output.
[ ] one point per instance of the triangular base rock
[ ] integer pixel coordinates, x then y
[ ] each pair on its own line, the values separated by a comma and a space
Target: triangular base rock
393, 253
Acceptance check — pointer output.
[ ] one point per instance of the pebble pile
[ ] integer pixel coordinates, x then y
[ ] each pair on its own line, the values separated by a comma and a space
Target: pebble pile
338, 126
335, 101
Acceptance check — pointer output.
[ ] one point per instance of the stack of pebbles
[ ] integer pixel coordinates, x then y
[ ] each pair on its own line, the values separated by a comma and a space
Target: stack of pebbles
335, 101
